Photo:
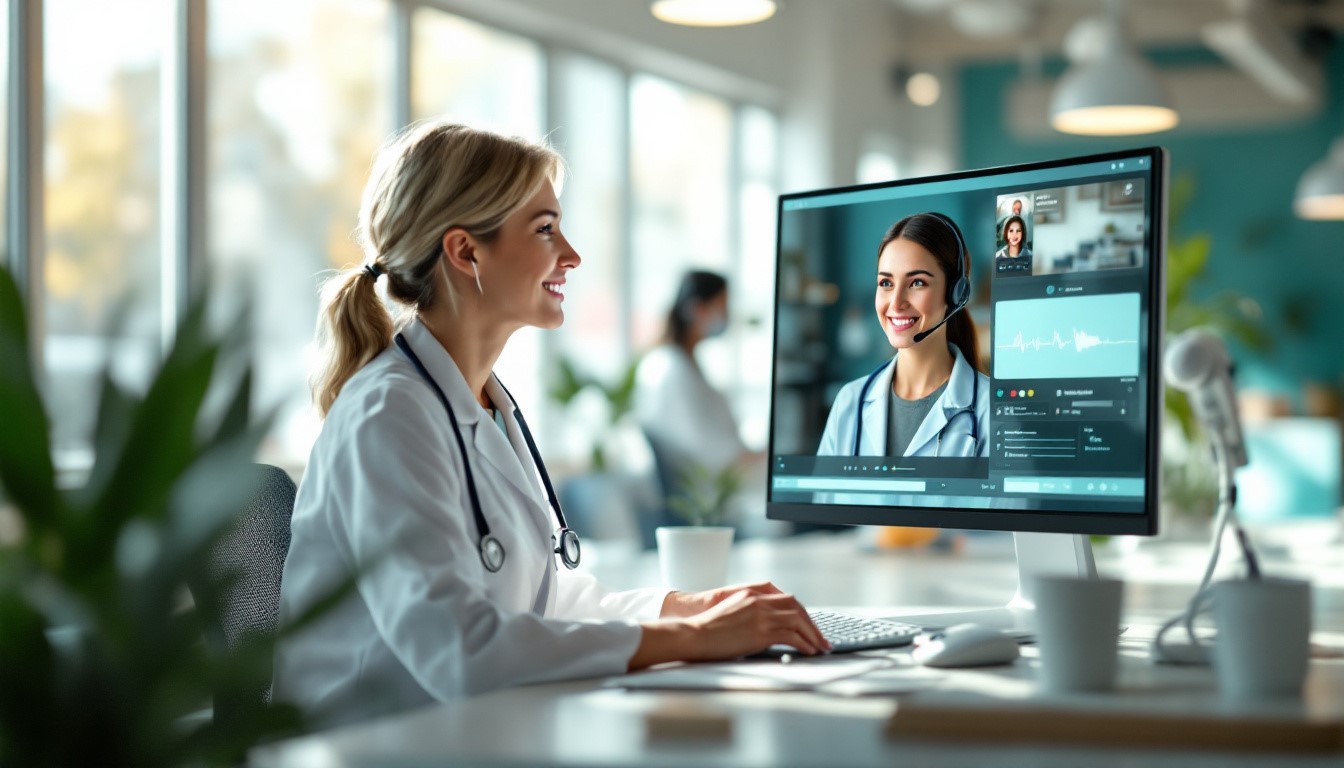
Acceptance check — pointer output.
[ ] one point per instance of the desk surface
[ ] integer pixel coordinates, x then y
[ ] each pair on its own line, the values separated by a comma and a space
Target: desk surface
583, 723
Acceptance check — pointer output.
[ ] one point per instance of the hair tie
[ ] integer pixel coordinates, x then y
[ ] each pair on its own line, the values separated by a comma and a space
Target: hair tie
373, 269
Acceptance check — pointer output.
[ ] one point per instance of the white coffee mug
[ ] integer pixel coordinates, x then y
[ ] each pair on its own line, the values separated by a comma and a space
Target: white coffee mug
1264, 637
1077, 632
694, 558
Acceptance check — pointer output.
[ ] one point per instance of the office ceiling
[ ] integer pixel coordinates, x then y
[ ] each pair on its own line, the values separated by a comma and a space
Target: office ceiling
969, 30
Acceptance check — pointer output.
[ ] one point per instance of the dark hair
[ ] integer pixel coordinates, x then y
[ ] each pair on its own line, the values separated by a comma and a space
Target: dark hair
696, 286
940, 236
1007, 223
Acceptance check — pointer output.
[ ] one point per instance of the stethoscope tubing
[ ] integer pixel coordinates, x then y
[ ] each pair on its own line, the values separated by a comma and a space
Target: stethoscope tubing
565, 541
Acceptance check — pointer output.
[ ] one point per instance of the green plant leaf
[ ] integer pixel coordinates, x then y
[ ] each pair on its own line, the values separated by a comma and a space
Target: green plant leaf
238, 412
621, 396
702, 496
27, 475
159, 444
568, 383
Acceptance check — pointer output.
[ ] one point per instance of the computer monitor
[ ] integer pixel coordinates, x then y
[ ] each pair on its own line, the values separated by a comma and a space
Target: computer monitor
1039, 416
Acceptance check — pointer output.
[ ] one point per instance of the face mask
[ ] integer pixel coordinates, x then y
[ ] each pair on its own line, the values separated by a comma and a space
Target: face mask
716, 326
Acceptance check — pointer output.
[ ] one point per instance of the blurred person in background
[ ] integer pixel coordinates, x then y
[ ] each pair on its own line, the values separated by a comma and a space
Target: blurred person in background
688, 423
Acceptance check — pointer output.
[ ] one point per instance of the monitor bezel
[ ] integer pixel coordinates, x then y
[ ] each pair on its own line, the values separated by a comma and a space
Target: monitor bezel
1078, 521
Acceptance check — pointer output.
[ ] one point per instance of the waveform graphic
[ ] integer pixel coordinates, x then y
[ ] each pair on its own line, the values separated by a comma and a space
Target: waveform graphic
1081, 342
1101, 340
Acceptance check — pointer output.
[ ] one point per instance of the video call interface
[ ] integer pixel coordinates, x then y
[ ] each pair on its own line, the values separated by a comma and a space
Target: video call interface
1062, 281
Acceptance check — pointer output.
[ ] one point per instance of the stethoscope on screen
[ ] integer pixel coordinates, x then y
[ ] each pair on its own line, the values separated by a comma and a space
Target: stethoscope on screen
565, 540
938, 446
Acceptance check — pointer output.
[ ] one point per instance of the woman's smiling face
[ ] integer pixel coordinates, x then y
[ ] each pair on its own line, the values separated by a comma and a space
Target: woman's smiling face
524, 269
911, 291
1014, 234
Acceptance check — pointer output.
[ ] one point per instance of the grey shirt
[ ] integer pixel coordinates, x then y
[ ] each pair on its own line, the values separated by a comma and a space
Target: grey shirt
905, 416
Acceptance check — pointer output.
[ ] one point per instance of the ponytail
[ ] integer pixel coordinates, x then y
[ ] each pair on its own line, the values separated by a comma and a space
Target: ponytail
961, 331
353, 327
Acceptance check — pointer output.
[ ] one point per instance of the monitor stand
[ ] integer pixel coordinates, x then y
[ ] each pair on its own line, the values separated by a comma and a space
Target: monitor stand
1037, 554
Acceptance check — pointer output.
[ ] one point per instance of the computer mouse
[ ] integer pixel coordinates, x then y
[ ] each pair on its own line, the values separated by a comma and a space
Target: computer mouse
966, 645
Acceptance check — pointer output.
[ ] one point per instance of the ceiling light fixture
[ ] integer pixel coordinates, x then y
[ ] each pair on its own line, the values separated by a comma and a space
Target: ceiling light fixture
923, 89
713, 13
1254, 42
1110, 90
1320, 193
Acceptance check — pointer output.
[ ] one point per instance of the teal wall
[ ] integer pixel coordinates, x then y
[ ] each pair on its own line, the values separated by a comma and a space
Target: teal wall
1244, 183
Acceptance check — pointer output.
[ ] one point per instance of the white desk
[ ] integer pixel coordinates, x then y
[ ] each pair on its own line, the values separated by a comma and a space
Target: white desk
581, 723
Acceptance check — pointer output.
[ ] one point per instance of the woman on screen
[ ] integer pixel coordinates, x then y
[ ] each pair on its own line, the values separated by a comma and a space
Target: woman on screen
928, 400
1014, 256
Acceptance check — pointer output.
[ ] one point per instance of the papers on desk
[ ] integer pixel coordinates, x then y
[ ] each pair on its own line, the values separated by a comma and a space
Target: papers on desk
840, 675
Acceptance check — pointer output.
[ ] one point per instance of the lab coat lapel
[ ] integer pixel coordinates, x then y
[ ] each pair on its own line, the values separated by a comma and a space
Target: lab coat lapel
499, 455
876, 407
928, 431
482, 437
956, 396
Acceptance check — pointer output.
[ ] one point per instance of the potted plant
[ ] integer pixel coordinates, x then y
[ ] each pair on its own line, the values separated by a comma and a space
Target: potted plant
694, 557
101, 656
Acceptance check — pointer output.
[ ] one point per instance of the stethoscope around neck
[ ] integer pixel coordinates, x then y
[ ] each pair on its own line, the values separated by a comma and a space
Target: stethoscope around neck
938, 446
565, 541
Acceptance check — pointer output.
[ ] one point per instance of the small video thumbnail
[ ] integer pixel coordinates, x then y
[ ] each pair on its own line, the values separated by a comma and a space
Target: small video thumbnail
1088, 227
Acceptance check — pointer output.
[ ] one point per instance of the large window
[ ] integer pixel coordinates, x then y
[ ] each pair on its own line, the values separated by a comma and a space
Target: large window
680, 165
298, 95
464, 71
102, 206
299, 101
753, 292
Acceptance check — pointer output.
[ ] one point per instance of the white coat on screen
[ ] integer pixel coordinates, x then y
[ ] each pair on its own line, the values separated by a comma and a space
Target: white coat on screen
957, 425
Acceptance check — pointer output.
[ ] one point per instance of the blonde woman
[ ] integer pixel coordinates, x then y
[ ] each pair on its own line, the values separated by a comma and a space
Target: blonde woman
425, 474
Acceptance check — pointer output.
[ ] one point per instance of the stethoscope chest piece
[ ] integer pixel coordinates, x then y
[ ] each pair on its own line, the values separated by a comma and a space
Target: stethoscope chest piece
567, 547
492, 553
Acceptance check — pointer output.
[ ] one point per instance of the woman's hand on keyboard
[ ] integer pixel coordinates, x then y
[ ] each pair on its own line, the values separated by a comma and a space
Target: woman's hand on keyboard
678, 604
736, 621
746, 621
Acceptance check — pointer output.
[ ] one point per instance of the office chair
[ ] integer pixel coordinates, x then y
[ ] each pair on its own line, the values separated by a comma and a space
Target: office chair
667, 482
243, 570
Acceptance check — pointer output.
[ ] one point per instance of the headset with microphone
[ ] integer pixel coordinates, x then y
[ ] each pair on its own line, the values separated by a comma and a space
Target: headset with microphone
958, 296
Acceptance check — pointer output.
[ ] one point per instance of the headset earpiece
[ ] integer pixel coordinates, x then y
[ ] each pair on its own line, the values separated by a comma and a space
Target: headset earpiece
961, 292
959, 288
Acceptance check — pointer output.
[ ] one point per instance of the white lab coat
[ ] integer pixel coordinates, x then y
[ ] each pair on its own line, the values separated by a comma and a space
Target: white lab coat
950, 416
385, 484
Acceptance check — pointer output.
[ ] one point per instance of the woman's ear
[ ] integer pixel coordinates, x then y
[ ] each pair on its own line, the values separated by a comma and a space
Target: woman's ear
459, 250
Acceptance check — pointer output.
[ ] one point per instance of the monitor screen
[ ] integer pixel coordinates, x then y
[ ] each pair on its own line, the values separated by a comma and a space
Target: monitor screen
975, 350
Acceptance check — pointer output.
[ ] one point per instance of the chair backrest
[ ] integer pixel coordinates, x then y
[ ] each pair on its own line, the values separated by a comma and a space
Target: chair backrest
250, 559
668, 484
